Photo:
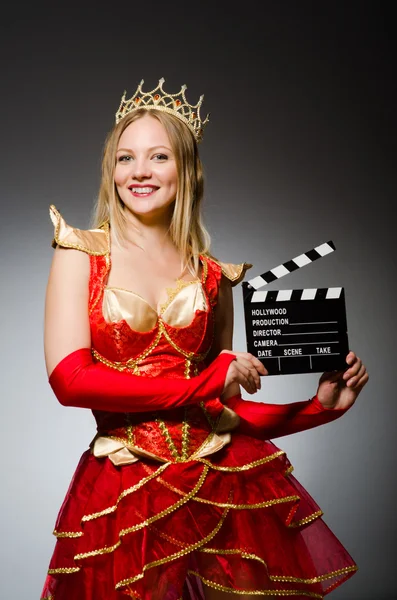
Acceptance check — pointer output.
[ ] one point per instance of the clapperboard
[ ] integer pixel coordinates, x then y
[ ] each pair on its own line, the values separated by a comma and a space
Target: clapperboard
296, 331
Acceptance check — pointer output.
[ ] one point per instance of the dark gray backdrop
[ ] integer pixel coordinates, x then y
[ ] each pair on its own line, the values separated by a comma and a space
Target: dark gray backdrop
300, 150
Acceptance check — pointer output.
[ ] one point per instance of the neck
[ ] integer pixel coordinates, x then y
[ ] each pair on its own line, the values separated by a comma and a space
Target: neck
149, 231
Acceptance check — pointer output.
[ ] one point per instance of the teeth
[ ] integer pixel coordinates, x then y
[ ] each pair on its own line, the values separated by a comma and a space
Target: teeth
142, 190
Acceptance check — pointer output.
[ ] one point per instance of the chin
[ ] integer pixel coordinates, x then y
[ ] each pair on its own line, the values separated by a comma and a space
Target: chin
146, 211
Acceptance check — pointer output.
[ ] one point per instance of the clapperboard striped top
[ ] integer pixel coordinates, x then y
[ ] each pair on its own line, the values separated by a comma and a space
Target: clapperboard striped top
330, 293
292, 265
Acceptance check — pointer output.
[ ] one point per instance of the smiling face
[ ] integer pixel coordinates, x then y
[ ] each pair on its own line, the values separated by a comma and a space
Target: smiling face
146, 174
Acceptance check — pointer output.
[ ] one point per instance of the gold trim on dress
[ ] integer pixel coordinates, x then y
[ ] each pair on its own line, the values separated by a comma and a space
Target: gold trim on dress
90, 241
185, 436
104, 550
67, 534
168, 510
242, 553
170, 539
222, 588
193, 356
317, 579
234, 272
174, 556
133, 363
63, 570
278, 578
205, 269
173, 291
125, 493
170, 442
307, 519
149, 521
246, 467
264, 504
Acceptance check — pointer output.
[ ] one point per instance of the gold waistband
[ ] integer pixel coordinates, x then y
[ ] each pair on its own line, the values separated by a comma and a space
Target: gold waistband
122, 453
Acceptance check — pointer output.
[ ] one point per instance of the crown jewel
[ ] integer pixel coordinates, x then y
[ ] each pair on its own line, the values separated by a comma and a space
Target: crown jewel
175, 104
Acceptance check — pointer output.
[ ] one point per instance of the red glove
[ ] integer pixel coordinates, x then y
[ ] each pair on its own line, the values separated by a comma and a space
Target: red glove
267, 421
78, 381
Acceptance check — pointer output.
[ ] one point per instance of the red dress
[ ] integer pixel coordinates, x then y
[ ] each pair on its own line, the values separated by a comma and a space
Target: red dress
162, 502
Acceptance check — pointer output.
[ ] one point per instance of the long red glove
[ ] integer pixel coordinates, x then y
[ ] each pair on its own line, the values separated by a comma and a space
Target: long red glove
267, 421
78, 381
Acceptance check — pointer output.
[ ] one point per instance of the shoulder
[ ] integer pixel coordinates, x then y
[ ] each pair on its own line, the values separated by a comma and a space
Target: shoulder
90, 241
234, 273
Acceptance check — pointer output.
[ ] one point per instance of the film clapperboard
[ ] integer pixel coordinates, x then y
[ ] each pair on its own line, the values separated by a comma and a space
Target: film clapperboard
296, 331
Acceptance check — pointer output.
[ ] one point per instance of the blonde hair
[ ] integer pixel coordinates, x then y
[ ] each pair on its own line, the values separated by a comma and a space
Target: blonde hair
187, 229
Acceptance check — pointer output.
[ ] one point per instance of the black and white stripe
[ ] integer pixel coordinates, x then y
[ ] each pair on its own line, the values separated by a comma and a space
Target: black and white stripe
291, 265
331, 293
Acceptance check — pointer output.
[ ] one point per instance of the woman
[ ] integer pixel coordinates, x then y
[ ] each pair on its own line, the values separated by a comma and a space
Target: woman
181, 495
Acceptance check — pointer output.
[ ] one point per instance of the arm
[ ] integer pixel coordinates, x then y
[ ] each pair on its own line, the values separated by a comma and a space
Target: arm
259, 419
276, 420
77, 381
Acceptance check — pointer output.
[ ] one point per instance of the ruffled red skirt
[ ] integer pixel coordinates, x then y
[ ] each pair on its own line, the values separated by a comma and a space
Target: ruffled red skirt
236, 521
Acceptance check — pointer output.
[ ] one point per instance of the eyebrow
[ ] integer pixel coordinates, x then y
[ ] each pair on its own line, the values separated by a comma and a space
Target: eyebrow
149, 149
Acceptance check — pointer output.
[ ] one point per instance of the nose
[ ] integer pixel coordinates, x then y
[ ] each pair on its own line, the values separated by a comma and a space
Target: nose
141, 169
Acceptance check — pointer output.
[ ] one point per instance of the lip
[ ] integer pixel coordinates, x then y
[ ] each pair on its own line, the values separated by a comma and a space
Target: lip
153, 188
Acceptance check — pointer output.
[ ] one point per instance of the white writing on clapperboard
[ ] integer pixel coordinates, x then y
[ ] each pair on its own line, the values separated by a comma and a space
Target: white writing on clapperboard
264, 346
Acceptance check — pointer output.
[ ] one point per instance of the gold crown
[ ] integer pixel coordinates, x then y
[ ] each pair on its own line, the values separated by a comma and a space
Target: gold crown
175, 104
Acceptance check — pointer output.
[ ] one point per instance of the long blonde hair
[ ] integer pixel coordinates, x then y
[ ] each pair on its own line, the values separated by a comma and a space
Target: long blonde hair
187, 230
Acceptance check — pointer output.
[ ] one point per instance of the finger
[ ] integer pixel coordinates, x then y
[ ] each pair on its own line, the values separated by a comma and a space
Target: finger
247, 384
252, 359
245, 377
362, 382
351, 382
254, 378
354, 370
354, 382
246, 355
350, 358
260, 367
254, 373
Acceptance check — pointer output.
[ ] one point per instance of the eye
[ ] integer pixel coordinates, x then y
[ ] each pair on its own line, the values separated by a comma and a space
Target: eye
124, 158
160, 157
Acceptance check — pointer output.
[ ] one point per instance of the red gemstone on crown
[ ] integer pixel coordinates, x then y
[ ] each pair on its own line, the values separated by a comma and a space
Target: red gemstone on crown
137, 100
157, 97
178, 102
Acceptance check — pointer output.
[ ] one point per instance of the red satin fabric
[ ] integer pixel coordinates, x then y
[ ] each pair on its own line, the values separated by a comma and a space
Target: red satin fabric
276, 420
236, 520
78, 381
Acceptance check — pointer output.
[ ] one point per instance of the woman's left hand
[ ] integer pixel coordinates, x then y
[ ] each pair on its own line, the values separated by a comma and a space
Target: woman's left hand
339, 389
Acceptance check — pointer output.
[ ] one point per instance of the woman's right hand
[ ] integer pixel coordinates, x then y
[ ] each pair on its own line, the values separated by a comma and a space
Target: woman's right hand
245, 371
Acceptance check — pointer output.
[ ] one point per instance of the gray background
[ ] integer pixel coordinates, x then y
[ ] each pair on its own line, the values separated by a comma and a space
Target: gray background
300, 150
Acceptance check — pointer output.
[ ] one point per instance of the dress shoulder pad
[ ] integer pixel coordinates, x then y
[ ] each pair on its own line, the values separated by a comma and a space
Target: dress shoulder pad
91, 241
234, 272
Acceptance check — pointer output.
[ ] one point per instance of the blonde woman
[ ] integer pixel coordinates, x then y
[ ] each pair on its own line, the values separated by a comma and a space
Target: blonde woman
181, 493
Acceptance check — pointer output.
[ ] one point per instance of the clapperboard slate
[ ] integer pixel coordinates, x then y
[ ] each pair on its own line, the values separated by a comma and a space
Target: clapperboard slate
296, 331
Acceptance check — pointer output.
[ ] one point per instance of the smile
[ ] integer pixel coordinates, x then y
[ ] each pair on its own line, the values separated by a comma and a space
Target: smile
142, 191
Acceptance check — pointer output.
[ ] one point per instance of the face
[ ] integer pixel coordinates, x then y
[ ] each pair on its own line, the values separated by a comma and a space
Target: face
146, 172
